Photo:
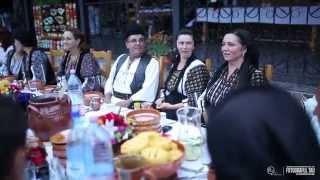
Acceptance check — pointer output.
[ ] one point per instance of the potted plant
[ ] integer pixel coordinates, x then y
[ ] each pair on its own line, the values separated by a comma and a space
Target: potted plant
158, 44
159, 47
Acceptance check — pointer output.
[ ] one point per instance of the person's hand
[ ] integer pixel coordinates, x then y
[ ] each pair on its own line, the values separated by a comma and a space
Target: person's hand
158, 102
165, 105
124, 103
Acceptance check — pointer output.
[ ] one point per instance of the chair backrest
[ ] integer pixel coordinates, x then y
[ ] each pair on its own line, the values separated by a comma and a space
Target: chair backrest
268, 71
104, 59
55, 58
163, 63
209, 65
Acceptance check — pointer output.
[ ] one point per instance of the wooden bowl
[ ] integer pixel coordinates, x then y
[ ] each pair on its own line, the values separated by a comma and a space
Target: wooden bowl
10, 78
49, 88
89, 95
144, 120
168, 169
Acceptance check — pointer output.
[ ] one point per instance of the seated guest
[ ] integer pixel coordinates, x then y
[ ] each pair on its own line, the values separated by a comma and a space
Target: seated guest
258, 131
5, 47
26, 62
13, 126
79, 58
240, 69
187, 78
134, 76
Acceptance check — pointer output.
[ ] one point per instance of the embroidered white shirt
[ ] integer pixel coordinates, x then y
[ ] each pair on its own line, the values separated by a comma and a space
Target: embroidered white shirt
125, 76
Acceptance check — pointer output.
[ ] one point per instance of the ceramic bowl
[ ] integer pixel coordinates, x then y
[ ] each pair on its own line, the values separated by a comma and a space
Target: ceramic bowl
168, 169
89, 95
10, 78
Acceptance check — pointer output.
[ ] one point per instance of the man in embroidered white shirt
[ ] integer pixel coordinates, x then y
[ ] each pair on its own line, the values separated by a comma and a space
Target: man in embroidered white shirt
134, 76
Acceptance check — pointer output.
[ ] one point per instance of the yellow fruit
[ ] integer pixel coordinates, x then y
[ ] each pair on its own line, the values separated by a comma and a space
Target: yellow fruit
155, 155
134, 146
149, 134
155, 148
161, 142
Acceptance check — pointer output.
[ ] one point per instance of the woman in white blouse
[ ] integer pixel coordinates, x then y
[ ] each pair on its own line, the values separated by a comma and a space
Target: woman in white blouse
187, 78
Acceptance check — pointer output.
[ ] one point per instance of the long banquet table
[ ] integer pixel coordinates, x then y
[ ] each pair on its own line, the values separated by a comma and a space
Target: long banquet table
189, 169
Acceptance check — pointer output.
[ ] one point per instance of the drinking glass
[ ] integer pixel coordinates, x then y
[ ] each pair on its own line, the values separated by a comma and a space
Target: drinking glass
190, 131
146, 105
33, 86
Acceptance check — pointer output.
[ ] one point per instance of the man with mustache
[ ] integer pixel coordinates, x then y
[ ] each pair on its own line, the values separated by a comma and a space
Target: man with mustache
134, 76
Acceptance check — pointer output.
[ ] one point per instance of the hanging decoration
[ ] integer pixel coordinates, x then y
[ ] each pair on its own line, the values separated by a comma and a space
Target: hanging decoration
51, 20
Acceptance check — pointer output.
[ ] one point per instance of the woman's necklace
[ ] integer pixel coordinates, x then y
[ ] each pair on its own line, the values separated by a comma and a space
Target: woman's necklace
73, 61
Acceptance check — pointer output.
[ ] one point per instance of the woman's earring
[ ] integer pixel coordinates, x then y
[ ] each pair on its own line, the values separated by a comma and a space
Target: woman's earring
244, 52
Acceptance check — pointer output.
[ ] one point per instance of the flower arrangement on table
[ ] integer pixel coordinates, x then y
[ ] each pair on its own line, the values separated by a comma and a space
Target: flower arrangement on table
4, 87
14, 90
116, 123
7, 88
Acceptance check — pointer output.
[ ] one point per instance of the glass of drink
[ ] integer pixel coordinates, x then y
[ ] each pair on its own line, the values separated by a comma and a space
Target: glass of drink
190, 131
33, 86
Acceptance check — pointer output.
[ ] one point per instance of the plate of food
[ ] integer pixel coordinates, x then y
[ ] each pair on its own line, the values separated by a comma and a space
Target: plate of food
163, 155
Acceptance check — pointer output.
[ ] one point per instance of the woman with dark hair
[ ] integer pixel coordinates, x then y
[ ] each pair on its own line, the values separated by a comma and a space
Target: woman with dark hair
239, 70
27, 62
257, 132
79, 58
5, 47
13, 126
187, 78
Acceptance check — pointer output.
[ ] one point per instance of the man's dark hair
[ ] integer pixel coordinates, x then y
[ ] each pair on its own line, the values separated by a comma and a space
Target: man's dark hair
13, 125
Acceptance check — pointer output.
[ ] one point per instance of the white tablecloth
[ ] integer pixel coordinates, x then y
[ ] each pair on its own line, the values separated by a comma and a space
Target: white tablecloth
189, 169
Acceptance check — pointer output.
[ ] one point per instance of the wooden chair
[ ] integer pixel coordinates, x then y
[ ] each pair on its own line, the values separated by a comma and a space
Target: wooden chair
162, 70
209, 65
55, 58
104, 59
268, 71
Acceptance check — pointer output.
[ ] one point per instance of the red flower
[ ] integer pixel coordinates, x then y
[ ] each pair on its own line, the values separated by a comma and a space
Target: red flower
37, 155
117, 119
